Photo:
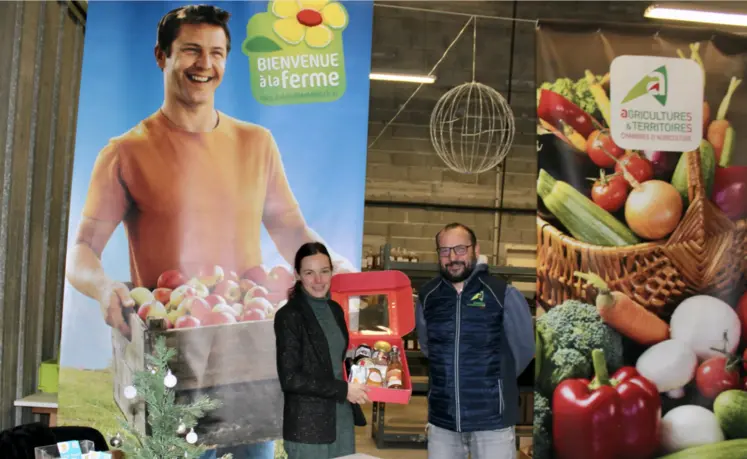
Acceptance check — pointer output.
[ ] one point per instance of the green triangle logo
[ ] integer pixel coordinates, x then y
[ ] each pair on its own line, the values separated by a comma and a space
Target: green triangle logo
655, 84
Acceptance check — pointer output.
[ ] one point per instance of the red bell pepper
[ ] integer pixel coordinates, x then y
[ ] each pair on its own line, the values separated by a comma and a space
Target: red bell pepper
607, 418
730, 191
556, 110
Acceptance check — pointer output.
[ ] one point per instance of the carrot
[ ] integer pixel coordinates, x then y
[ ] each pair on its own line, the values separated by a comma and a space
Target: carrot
568, 135
625, 315
575, 137
721, 130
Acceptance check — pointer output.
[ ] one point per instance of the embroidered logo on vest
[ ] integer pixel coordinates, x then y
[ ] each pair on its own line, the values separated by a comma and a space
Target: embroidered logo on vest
477, 300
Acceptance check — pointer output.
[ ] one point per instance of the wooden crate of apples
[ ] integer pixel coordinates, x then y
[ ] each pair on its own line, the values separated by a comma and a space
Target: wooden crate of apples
221, 326
214, 297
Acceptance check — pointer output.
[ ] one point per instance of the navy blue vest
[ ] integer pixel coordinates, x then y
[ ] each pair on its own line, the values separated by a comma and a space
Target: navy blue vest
468, 355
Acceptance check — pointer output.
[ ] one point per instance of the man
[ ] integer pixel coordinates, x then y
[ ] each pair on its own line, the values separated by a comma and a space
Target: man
192, 185
477, 333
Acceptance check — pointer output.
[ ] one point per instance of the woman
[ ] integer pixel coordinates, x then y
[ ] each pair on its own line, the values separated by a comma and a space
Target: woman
312, 339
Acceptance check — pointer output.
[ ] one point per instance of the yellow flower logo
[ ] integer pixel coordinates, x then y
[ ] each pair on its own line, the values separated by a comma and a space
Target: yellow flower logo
310, 21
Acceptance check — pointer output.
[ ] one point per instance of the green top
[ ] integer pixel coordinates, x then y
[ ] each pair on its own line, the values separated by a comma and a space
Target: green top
344, 444
335, 338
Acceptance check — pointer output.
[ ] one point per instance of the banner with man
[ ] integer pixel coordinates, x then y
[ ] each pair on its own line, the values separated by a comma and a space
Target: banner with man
212, 142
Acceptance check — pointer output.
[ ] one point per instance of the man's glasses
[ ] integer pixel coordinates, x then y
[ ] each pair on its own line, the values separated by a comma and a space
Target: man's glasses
459, 250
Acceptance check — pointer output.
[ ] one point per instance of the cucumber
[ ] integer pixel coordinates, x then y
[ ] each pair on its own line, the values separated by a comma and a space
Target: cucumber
707, 167
730, 408
729, 449
585, 220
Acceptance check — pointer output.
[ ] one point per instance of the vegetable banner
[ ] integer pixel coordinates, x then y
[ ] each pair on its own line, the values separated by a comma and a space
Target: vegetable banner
212, 141
642, 242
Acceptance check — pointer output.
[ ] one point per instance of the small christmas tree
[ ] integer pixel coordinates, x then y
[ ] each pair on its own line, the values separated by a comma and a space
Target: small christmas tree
169, 422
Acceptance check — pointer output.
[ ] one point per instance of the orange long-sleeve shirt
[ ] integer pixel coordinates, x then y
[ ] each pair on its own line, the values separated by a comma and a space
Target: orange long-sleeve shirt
189, 199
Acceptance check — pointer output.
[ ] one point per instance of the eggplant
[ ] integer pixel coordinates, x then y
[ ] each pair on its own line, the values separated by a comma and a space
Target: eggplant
563, 162
664, 162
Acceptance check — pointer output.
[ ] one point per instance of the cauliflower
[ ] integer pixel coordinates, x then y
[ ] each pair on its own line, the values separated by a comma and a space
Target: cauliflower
566, 335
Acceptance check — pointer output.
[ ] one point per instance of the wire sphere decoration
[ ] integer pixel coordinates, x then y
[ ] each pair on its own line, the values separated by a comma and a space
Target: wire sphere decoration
472, 128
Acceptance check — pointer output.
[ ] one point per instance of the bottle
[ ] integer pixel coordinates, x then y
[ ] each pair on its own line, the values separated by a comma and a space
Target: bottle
361, 352
394, 370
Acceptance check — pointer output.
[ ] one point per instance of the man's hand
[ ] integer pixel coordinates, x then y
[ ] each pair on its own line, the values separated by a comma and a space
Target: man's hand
341, 265
114, 298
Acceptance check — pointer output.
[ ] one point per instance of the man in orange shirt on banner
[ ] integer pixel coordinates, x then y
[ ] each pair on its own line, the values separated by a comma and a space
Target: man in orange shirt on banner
192, 185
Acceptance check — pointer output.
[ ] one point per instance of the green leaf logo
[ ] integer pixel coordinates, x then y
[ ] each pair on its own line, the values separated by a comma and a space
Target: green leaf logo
259, 44
655, 83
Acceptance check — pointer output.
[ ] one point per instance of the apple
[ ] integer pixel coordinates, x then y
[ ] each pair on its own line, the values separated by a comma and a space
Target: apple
171, 279
187, 321
173, 315
239, 308
279, 279
229, 290
277, 297
209, 275
201, 289
141, 295
256, 292
181, 293
214, 299
152, 309
246, 284
196, 306
163, 295
223, 307
257, 274
262, 304
252, 315
231, 275
219, 318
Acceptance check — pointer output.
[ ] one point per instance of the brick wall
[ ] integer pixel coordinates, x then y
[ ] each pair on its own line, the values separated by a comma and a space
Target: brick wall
402, 165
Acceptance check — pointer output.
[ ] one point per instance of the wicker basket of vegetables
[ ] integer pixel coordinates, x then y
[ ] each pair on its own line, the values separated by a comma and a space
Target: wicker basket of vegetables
658, 236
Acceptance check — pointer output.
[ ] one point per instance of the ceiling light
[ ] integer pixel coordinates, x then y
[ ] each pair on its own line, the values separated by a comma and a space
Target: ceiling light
690, 15
403, 77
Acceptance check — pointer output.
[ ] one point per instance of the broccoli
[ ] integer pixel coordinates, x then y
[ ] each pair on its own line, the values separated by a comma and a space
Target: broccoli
566, 335
576, 92
542, 428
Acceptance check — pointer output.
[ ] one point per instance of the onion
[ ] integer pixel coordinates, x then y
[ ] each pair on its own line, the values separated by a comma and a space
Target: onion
653, 208
664, 162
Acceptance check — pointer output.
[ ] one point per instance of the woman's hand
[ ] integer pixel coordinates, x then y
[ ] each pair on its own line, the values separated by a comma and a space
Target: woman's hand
357, 393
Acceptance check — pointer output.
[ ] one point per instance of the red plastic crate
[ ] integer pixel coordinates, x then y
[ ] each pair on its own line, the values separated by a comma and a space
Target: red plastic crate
396, 286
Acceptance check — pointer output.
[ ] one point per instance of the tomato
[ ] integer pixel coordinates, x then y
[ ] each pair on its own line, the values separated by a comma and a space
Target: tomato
637, 165
597, 143
715, 376
610, 192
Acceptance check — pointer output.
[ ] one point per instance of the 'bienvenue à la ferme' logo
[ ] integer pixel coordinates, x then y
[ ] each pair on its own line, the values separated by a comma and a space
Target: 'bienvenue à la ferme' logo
295, 52
656, 103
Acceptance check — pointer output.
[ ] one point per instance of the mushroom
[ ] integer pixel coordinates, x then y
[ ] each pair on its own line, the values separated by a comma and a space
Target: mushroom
670, 365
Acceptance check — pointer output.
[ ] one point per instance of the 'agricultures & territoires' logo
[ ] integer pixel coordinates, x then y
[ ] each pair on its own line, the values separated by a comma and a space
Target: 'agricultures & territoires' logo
661, 110
295, 52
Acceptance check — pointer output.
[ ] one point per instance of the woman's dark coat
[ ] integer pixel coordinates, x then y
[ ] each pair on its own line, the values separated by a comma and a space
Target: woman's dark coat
306, 376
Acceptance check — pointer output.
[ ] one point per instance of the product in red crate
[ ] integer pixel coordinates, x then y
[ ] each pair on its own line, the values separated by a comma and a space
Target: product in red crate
378, 359
607, 418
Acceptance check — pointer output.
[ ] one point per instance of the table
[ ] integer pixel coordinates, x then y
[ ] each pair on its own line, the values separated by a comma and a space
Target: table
40, 403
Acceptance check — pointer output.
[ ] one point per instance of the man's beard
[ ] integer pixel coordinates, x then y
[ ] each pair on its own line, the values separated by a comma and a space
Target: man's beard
466, 272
